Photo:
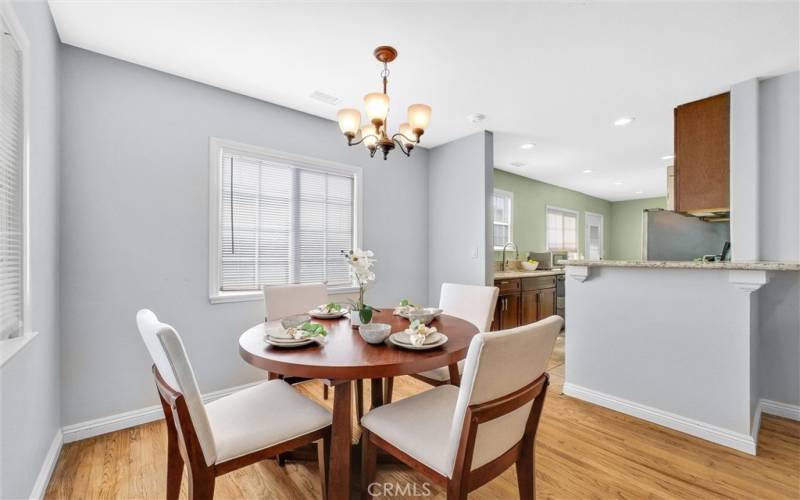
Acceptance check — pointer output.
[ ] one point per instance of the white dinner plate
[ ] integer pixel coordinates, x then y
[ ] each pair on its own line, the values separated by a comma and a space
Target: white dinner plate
321, 314
406, 345
281, 343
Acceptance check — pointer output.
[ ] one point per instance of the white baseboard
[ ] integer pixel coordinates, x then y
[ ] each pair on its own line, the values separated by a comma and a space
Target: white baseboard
104, 425
48, 466
738, 441
780, 409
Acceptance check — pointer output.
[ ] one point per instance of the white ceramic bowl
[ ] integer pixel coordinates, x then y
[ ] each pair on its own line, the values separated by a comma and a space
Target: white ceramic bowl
295, 321
528, 266
375, 333
425, 315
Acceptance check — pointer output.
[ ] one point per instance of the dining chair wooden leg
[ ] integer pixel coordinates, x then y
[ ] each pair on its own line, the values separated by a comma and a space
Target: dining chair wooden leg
526, 472
388, 388
174, 459
359, 400
324, 458
455, 377
324, 391
369, 462
201, 484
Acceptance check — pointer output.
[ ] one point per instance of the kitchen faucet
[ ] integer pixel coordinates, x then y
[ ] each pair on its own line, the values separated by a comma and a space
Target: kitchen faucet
516, 252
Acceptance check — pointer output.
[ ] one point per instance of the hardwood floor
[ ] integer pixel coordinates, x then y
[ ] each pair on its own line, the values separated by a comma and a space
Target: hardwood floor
582, 451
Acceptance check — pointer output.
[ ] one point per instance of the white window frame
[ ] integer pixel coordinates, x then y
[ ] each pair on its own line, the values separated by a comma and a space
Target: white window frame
586, 233
577, 214
215, 295
510, 197
9, 347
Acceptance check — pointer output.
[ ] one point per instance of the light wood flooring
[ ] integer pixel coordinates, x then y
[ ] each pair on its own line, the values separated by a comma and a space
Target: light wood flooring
582, 451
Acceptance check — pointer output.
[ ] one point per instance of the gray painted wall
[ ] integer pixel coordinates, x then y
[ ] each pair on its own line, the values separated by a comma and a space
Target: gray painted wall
29, 382
779, 301
135, 223
460, 177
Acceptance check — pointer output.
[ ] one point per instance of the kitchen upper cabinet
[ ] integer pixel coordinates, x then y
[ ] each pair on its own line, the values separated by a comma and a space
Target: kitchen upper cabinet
702, 156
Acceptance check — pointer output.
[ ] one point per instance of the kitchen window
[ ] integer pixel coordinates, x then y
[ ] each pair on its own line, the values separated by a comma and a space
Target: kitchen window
503, 218
562, 229
279, 218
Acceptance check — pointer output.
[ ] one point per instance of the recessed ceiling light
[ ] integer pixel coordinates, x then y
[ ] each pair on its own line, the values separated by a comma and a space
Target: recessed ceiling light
587, 171
528, 145
517, 164
625, 120
476, 117
668, 157
617, 183
638, 192
323, 97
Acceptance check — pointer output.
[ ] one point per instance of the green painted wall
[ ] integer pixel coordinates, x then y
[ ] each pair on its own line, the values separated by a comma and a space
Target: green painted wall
530, 199
622, 220
626, 221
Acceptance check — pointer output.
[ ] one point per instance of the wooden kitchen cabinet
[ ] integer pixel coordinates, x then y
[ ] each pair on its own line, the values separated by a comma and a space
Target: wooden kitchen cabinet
702, 156
524, 301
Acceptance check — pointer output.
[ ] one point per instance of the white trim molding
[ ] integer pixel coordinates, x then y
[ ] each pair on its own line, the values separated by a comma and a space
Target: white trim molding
578, 273
779, 409
748, 281
215, 147
104, 425
48, 466
738, 441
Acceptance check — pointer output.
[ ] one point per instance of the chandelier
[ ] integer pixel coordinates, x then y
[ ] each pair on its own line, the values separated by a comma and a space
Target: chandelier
374, 134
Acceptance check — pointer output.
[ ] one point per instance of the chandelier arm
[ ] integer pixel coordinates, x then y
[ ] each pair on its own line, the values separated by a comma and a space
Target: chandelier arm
399, 143
351, 143
404, 137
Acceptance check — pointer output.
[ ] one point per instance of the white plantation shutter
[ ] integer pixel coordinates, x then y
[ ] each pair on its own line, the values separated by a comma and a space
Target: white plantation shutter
11, 168
282, 223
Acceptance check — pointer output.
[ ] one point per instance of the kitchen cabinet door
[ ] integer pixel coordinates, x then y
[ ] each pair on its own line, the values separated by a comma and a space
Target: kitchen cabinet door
702, 155
509, 311
529, 307
547, 303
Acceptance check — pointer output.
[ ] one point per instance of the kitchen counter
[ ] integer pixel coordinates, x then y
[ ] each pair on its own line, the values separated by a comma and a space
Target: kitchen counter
508, 275
663, 264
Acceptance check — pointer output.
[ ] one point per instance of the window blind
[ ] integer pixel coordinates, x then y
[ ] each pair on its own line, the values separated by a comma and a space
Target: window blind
562, 230
280, 223
11, 158
502, 219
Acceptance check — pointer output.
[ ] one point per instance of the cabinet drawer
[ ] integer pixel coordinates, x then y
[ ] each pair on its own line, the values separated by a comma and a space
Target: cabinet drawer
507, 286
538, 283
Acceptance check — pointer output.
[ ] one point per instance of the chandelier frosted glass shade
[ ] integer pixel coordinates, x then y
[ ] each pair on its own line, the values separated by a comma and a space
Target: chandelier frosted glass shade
349, 121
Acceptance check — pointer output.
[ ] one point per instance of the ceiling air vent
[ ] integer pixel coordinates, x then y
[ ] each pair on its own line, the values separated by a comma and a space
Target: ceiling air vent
323, 97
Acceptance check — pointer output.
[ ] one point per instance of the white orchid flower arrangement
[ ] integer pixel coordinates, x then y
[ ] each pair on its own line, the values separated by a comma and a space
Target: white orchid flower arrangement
361, 262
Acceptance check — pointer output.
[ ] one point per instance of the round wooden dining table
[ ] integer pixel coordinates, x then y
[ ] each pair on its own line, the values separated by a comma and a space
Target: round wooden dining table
345, 357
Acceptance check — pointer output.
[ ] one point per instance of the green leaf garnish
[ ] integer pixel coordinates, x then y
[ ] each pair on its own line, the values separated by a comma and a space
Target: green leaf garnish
313, 329
333, 306
406, 303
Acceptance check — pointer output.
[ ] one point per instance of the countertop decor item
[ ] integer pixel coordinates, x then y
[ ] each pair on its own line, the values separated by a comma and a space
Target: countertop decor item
361, 262
373, 134
529, 266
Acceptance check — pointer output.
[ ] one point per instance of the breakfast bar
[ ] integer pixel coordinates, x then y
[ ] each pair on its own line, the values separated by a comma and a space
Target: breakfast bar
667, 341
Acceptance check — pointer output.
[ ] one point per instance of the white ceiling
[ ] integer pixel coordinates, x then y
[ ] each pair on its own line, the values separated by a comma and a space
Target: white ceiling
557, 74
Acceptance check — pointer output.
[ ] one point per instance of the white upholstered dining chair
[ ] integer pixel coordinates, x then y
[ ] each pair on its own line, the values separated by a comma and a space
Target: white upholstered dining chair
464, 437
231, 432
473, 303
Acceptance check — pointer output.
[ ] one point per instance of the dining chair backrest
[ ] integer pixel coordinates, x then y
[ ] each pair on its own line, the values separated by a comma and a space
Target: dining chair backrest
287, 300
169, 355
474, 303
497, 365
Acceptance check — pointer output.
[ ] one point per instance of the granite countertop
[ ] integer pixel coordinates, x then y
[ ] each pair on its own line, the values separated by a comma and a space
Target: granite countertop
664, 264
513, 274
